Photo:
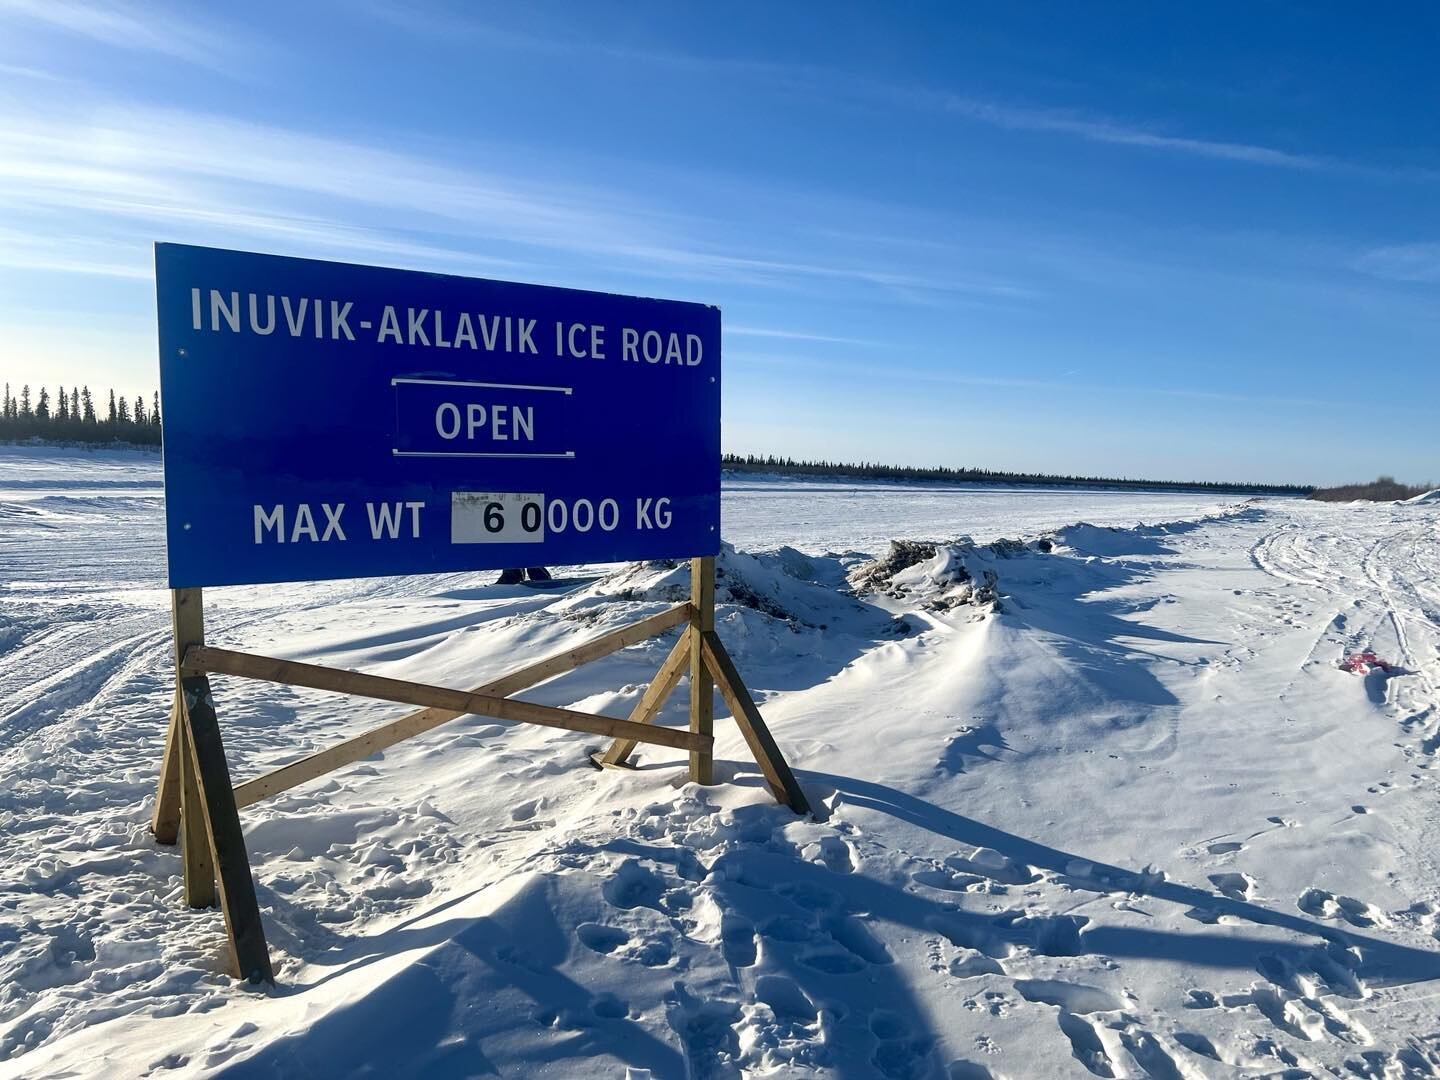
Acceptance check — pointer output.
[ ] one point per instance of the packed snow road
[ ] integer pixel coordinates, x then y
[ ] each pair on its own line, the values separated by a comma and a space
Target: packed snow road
1134, 820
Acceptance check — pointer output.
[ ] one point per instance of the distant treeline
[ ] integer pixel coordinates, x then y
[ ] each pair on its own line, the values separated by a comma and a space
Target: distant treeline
73, 416
1385, 489
769, 463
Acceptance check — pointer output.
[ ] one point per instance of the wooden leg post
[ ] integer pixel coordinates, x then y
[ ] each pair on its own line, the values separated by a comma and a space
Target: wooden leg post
220, 822
187, 618
702, 690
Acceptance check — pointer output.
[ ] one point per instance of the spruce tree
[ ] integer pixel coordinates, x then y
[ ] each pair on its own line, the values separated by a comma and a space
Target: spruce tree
155, 409
9, 403
123, 415
114, 415
42, 406
140, 417
88, 415
63, 409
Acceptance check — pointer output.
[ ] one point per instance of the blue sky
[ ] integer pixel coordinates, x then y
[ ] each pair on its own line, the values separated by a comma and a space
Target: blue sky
1144, 240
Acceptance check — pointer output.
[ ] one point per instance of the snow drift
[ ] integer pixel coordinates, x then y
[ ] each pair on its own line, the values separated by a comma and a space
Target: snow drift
1095, 803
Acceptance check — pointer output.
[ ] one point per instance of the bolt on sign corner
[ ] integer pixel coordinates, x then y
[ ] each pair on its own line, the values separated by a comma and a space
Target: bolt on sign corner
327, 420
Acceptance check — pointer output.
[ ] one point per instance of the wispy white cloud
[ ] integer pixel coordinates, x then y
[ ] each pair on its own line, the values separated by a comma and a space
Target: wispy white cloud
1419, 262
27, 250
897, 283
1067, 386
795, 335
167, 171
1119, 133
25, 71
837, 84
137, 28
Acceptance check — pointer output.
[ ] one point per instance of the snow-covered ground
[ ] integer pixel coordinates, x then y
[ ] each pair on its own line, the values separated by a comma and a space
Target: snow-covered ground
1135, 821
822, 515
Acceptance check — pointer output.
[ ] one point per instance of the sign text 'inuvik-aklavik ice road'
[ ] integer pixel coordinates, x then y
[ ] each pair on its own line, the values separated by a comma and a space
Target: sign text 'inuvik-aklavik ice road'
324, 420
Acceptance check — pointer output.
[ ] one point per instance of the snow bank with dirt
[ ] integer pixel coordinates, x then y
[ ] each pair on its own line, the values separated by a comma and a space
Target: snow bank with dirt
1095, 802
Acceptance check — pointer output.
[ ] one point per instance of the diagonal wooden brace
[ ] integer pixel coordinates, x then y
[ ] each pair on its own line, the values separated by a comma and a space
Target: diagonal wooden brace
767, 754
388, 734
202, 658
188, 623
650, 703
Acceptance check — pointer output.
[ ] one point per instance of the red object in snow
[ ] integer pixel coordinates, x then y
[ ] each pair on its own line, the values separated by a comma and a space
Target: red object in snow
1362, 663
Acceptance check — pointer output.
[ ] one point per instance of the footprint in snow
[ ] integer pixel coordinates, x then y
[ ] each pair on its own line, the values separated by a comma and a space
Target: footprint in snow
831, 852
601, 938
785, 998
609, 1007
992, 864
962, 1069
899, 1052
632, 886
1236, 886
971, 963
992, 1001
1199, 1044
1324, 904
1072, 997
946, 880
1332, 969
738, 944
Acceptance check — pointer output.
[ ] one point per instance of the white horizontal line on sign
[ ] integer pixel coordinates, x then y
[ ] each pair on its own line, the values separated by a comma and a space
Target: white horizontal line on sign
468, 453
486, 385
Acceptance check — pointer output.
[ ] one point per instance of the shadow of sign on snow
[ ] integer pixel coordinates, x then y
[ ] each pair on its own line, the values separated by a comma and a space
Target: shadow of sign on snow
1385, 962
803, 931
527, 984
489, 987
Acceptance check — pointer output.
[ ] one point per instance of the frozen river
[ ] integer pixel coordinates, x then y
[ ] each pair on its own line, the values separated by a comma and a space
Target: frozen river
817, 516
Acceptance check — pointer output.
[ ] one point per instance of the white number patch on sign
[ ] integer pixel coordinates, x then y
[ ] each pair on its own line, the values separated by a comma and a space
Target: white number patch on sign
496, 517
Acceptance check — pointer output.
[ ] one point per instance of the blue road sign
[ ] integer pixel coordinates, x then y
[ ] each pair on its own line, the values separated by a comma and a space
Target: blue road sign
325, 420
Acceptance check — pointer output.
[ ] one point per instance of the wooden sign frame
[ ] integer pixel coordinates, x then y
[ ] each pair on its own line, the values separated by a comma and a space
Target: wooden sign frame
197, 805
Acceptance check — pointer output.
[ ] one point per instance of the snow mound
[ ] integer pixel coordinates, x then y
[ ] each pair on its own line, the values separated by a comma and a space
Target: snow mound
784, 584
1112, 540
1427, 497
939, 576
1106, 541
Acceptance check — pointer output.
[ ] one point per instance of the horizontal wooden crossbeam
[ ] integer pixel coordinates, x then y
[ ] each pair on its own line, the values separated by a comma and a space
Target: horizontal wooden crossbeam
200, 659
388, 734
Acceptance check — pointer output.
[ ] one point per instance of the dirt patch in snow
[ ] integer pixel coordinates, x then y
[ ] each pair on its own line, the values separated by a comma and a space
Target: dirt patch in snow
804, 590
938, 576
